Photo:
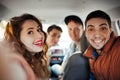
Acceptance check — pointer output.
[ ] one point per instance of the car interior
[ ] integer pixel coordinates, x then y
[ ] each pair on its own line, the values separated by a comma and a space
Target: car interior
54, 12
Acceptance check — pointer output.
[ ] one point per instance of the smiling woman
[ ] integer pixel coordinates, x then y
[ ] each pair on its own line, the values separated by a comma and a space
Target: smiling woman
31, 29
26, 34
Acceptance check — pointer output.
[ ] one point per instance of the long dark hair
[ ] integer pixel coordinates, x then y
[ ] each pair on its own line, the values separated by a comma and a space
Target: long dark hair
38, 62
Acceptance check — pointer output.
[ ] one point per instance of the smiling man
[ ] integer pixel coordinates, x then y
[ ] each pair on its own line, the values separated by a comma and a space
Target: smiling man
104, 52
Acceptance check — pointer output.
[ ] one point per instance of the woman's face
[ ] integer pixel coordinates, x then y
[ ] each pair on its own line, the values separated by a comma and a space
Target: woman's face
32, 36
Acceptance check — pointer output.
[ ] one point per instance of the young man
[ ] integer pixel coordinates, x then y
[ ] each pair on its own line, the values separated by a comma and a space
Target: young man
104, 52
76, 33
53, 35
75, 65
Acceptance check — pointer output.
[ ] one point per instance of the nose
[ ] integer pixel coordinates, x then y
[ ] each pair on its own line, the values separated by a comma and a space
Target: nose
56, 39
97, 34
39, 35
73, 32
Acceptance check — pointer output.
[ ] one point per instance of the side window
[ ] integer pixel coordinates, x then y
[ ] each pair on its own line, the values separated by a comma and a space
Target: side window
117, 24
3, 24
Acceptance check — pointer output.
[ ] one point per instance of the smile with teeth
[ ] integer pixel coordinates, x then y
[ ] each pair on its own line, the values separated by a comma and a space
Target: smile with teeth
98, 41
38, 43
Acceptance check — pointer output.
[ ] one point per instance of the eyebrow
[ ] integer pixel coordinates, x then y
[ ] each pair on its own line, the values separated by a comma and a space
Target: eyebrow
103, 24
99, 25
30, 28
90, 26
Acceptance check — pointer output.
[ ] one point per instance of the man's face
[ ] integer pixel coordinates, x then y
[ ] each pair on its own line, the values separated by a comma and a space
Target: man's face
97, 32
75, 30
53, 37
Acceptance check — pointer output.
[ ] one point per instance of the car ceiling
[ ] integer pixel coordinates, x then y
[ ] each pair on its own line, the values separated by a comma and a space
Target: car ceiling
54, 11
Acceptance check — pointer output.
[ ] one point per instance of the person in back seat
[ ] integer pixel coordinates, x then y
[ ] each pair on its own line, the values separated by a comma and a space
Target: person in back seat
53, 36
77, 46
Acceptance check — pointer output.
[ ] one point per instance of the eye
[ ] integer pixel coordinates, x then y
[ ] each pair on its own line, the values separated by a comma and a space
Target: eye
103, 28
39, 30
70, 29
90, 29
59, 36
30, 32
53, 35
77, 28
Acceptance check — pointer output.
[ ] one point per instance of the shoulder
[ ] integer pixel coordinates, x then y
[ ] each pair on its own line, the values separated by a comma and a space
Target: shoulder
118, 39
24, 65
71, 44
77, 58
116, 42
76, 64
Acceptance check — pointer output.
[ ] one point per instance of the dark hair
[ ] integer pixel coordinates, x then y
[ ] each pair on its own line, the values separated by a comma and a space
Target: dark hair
73, 18
50, 28
37, 62
17, 22
98, 14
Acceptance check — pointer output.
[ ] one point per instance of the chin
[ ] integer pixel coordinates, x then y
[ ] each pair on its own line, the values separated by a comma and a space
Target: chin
53, 44
98, 47
37, 50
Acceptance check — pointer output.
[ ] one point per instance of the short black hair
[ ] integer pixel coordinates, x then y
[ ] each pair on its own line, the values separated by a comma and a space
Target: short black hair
73, 18
98, 14
50, 28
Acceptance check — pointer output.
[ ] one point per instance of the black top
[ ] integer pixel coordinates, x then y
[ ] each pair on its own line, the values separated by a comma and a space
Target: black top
77, 68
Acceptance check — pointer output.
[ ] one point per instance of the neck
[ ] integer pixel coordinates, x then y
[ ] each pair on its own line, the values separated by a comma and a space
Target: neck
99, 51
76, 42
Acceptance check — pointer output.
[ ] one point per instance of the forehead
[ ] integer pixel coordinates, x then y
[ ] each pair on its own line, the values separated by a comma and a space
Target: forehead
96, 22
55, 31
30, 23
74, 24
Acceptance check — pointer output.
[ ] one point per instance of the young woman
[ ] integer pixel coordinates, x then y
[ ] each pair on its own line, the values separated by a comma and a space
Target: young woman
26, 34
